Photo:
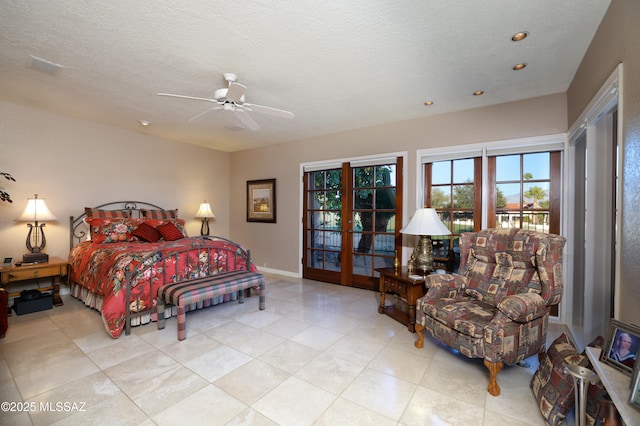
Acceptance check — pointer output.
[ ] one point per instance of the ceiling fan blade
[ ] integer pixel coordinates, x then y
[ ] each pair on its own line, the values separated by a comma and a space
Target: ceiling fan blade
246, 119
235, 92
195, 117
186, 97
268, 110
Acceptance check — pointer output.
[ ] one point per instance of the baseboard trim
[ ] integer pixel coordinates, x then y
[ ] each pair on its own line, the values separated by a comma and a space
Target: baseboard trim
279, 272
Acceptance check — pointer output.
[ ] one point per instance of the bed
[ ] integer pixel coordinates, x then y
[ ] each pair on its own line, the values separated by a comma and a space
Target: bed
122, 252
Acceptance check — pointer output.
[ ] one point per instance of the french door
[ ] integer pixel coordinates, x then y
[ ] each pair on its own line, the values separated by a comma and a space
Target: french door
352, 219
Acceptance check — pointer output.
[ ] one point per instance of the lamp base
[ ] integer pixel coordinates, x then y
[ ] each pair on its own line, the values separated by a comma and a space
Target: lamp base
35, 258
424, 255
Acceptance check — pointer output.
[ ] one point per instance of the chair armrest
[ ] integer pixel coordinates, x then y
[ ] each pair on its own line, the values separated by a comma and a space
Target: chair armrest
444, 285
523, 307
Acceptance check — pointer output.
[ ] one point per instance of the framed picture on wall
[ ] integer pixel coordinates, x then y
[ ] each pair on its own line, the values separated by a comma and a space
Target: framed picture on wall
261, 200
621, 346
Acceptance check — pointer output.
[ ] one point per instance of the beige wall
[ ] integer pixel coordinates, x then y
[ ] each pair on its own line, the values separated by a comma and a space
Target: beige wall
74, 163
617, 40
277, 245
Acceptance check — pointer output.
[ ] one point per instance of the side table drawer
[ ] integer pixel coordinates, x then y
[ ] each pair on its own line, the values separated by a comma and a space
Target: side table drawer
395, 286
41, 272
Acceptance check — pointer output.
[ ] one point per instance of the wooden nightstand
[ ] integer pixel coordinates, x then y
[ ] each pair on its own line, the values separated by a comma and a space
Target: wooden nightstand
55, 269
398, 282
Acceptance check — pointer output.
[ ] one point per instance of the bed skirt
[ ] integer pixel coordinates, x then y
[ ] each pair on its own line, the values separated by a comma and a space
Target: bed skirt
94, 301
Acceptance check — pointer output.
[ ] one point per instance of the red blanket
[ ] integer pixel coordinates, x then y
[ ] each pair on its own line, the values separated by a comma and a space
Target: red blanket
100, 269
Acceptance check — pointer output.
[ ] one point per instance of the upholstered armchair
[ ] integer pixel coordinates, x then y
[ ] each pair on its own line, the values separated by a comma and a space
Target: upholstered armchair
497, 306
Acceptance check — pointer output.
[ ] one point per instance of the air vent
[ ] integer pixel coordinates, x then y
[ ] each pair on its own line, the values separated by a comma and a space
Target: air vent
44, 66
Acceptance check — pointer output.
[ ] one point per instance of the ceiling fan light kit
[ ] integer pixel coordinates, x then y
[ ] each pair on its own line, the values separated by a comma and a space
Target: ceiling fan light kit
232, 99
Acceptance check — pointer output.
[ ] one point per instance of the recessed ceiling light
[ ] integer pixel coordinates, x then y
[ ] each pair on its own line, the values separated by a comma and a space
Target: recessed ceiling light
428, 103
144, 123
520, 36
519, 67
478, 93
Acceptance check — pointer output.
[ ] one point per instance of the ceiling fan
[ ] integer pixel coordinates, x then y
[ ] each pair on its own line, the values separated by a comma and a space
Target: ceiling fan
231, 99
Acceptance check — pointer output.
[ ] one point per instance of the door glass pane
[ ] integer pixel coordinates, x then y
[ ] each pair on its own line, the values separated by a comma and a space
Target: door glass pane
314, 259
362, 199
385, 198
363, 177
374, 205
334, 179
361, 265
324, 208
384, 244
332, 261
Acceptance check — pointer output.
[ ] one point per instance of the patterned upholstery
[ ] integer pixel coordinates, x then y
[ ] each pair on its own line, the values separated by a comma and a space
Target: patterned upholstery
497, 306
185, 293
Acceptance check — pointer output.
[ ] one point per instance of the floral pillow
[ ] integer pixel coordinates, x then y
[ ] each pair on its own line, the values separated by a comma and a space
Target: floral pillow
112, 230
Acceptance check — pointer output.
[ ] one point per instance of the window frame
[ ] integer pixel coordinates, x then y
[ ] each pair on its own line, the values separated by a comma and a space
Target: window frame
554, 142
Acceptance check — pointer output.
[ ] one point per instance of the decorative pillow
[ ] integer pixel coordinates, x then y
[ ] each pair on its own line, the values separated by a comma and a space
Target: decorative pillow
147, 233
178, 223
170, 232
115, 230
552, 387
508, 278
93, 212
159, 214
523, 307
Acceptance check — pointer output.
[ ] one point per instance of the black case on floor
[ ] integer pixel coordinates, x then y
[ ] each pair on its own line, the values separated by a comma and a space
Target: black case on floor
28, 303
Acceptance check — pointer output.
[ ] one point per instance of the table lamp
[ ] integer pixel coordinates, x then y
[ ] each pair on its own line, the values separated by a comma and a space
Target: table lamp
425, 222
36, 211
205, 213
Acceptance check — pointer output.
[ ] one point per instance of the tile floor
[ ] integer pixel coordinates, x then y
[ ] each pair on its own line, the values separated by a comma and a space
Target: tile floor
320, 354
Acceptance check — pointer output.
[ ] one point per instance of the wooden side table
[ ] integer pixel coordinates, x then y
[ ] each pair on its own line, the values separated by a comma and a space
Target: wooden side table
56, 268
392, 281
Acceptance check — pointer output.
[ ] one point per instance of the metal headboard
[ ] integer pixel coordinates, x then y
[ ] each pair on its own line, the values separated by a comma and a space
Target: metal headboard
78, 228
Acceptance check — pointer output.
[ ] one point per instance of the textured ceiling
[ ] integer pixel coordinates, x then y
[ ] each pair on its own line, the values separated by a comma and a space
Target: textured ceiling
337, 65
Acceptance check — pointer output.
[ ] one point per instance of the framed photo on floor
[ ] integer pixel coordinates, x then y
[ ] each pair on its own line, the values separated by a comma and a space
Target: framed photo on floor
621, 346
261, 200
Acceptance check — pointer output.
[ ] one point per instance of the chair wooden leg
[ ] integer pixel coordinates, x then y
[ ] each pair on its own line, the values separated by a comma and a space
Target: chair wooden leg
494, 369
419, 343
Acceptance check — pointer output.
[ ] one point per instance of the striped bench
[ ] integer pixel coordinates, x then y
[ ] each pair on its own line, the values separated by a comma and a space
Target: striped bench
182, 294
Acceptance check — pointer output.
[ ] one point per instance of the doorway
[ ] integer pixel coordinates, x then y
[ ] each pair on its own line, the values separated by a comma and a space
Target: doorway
593, 183
352, 217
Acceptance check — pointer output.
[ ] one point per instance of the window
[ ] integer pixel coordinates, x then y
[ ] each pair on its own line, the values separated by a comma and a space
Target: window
521, 189
514, 184
454, 190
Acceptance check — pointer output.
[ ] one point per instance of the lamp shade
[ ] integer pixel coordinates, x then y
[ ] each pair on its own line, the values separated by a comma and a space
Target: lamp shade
205, 211
36, 211
425, 222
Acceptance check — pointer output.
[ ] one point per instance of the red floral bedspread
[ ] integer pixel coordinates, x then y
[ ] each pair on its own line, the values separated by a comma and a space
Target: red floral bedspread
100, 269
